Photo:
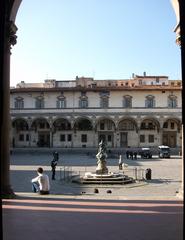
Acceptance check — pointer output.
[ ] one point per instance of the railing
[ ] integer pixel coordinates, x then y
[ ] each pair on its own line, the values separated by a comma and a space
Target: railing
69, 172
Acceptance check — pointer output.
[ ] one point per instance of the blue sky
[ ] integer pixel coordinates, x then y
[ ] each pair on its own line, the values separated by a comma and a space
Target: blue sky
104, 39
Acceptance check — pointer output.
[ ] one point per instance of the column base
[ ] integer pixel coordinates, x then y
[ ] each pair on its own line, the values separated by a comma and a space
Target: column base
7, 192
180, 193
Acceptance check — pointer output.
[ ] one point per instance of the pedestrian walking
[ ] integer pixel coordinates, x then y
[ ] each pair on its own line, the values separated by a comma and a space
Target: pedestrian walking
131, 155
127, 154
135, 155
53, 168
40, 183
120, 162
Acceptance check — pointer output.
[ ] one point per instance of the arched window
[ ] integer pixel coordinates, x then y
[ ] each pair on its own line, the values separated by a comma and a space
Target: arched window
19, 103
83, 102
104, 99
61, 101
127, 101
150, 101
172, 101
39, 102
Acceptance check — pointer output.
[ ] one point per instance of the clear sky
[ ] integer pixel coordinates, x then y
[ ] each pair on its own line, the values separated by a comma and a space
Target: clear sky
104, 39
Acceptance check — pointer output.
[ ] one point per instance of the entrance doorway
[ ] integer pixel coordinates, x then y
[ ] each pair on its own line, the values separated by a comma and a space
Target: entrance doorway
43, 139
123, 139
169, 139
107, 138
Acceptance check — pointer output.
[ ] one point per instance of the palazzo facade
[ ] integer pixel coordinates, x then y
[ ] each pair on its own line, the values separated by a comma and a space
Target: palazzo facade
139, 112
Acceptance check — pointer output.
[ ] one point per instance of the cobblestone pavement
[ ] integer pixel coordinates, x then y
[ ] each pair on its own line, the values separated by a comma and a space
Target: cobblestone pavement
165, 182
147, 209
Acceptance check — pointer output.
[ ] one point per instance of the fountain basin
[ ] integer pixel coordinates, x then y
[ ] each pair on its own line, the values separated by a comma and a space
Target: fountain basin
108, 178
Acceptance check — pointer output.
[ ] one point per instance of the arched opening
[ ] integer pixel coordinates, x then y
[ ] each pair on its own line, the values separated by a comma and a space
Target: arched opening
20, 133
83, 124
105, 129
83, 133
149, 132
128, 132
62, 133
40, 133
172, 133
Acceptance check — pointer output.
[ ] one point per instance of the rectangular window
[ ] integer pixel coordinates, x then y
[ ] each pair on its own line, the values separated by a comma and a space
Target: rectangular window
109, 138
142, 138
21, 137
61, 104
157, 80
102, 126
83, 138
172, 125
150, 138
39, 103
42, 125
109, 125
69, 138
165, 125
83, 104
62, 137
104, 103
27, 137
19, 104
151, 126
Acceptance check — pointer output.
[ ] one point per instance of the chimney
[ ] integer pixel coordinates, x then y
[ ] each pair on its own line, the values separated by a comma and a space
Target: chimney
144, 74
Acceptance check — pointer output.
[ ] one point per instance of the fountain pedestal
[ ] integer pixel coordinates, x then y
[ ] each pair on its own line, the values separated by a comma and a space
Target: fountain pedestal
102, 175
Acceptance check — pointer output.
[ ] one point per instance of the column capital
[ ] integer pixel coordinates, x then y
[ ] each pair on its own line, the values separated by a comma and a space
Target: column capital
11, 30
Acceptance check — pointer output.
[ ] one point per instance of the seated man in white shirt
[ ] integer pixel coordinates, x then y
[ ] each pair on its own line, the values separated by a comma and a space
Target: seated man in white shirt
41, 182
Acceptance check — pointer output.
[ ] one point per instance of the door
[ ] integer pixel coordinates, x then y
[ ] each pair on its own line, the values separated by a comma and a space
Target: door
123, 139
107, 138
169, 139
43, 139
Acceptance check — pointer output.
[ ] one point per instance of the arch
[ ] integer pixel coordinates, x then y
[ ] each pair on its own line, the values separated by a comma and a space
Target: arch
42, 121
169, 124
14, 9
149, 123
108, 123
60, 124
130, 124
83, 124
20, 124
171, 132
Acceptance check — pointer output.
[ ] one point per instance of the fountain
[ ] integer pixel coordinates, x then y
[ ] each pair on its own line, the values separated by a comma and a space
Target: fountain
102, 175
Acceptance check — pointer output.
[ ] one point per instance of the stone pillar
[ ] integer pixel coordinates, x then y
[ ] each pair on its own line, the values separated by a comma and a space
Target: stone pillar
9, 39
29, 130
138, 130
94, 131
50, 120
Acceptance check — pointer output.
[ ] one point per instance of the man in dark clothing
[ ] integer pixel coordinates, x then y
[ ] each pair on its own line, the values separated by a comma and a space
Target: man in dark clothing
53, 168
127, 154
131, 155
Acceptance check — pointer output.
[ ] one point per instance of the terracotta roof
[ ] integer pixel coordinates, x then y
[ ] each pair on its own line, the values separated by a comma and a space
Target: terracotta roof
120, 88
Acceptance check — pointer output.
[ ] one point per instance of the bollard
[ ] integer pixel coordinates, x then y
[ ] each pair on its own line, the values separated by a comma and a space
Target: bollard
148, 174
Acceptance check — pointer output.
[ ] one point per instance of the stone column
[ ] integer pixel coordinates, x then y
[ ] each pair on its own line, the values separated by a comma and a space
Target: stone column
51, 132
94, 130
138, 130
29, 130
9, 39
